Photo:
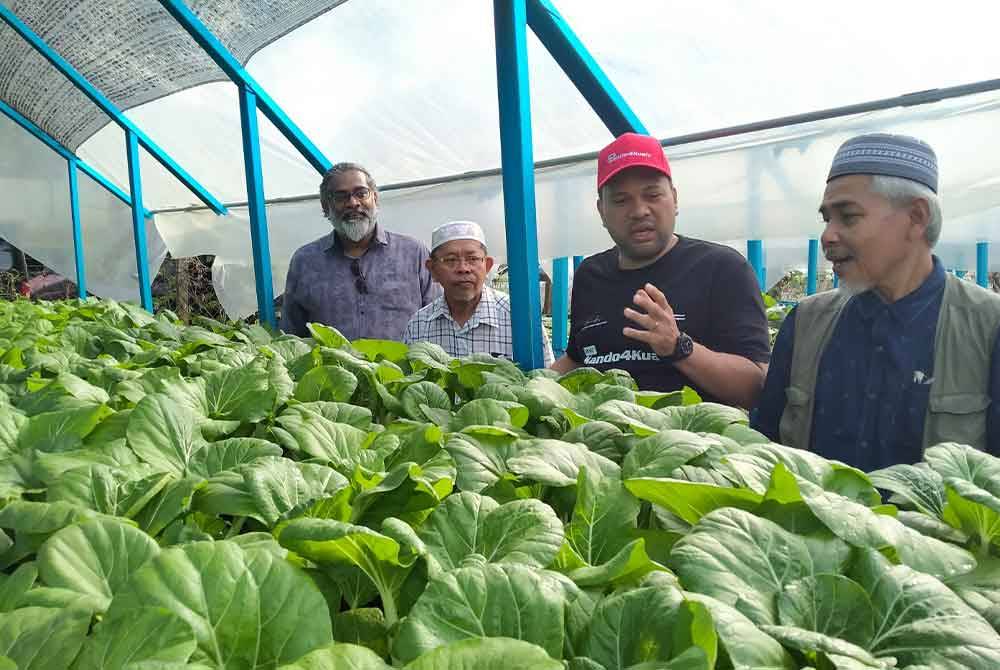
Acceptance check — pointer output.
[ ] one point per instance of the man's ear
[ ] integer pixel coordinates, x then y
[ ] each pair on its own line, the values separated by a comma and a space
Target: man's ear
674, 191
429, 264
600, 211
920, 215
489, 264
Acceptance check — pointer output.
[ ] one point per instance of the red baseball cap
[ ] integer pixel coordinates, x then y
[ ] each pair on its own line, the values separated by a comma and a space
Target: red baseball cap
630, 150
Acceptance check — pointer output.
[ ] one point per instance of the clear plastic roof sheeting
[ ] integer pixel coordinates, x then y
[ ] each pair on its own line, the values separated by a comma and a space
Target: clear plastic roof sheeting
411, 93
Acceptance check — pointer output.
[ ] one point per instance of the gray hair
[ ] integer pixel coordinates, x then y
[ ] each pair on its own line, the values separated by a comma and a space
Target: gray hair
901, 192
326, 187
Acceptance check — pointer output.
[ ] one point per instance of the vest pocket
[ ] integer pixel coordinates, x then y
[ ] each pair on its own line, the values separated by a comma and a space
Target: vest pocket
796, 422
957, 417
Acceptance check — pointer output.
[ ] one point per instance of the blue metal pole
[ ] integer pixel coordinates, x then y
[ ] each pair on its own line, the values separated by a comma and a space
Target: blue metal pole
560, 304
813, 269
572, 56
983, 264
836, 280
755, 254
108, 108
258, 209
960, 274
576, 262
74, 211
48, 141
138, 220
234, 70
517, 163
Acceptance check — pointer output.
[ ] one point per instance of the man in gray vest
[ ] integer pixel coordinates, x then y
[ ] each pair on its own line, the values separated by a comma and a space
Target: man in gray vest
903, 355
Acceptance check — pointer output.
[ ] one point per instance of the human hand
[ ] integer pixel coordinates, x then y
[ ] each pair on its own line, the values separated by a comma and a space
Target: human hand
658, 326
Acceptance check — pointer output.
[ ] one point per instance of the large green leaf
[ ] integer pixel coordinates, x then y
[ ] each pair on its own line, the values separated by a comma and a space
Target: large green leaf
339, 657
339, 412
705, 417
558, 463
312, 434
95, 558
62, 430
745, 645
973, 510
326, 383
11, 423
248, 608
223, 455
162, 433
742, 560
149, 637
830, 604
481, 459
66, 391
269, 489
658, 455
691, 500
600, 437
920, 621
40, 638
645, 625
428, 355
15, 585
406, 489
524, 531
338, 545
626, 567
824, 650
629, 416
917, 485
240, 393
980, 589
489, 653
961, 461
486, 600
604, 517
424, 394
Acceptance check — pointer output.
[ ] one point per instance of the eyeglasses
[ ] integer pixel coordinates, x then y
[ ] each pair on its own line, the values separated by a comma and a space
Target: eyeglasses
343, 197
360, 281
453, 262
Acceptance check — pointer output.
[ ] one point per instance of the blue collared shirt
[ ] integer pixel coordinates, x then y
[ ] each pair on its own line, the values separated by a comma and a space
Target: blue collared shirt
873, 380
322, 288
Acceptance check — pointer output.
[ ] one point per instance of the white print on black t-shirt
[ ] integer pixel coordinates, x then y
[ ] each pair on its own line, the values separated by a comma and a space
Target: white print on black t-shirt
627, 355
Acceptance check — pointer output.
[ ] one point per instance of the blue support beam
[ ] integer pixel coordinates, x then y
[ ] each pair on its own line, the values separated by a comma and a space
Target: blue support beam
560, 305
138, 221
109, 108
836, 280
48, 141
228, 64
517, 163
576, 262
755, 254
813, 269
258, 210
983, 264
74, 212
569, 52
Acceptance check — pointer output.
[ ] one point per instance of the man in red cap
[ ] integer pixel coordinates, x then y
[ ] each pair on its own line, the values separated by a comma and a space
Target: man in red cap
671, 310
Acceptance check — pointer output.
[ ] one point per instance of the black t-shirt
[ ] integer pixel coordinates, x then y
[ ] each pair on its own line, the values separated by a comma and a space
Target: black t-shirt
711, 288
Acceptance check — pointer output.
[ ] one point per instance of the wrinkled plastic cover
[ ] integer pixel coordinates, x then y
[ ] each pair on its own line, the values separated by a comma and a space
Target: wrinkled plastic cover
132, 51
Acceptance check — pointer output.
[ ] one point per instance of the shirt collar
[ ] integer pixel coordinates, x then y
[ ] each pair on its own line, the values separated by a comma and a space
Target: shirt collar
869, 303
381, 238
486, 310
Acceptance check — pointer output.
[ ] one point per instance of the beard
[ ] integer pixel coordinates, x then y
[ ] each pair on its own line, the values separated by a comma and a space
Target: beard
356, 226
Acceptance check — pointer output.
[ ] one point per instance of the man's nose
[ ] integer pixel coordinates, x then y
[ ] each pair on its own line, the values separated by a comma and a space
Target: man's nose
829, 236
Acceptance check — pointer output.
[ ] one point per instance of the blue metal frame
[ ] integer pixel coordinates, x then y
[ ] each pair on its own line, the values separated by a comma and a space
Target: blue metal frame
225, 60
755, 254
568, 51
560, 305
517, 162
74, 211
257, 206
48, 141
576, 262
813, 269
983, 264
138, 221
109, 108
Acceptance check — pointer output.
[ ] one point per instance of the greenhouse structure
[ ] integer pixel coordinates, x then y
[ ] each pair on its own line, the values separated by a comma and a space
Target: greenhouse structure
213, 493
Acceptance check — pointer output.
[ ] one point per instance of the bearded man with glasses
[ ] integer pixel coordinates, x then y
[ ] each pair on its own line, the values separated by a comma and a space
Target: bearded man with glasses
470, 317
361, 279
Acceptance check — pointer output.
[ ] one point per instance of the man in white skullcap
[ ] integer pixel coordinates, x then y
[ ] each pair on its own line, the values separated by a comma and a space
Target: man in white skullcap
904, 355
470, 317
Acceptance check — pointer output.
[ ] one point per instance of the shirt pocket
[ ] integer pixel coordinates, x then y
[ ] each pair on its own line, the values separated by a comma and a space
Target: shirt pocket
400, 296
796, 423
958, 417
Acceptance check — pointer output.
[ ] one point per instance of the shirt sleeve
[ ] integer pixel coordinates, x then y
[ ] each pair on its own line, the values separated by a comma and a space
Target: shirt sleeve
766, 417
429, 289
293, 314
738, 321
993, 418
410, 333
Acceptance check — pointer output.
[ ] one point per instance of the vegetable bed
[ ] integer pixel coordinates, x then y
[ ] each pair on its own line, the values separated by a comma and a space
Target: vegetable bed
213, 496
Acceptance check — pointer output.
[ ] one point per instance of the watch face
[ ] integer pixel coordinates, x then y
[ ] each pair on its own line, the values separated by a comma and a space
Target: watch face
685, 345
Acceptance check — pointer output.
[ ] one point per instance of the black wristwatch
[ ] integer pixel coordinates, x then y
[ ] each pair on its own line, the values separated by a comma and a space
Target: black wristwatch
682, 349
